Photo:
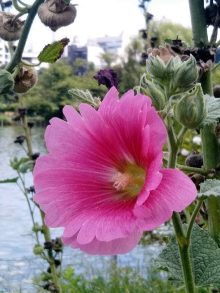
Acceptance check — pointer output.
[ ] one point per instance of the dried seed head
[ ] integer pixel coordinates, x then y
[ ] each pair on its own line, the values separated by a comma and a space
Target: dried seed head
25, 79
10, 27
56, 14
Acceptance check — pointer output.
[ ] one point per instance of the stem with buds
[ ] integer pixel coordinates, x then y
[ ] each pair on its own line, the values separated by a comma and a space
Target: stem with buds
16, 59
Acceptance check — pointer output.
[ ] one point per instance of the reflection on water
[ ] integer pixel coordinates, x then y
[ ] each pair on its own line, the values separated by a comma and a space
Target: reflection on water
18, 265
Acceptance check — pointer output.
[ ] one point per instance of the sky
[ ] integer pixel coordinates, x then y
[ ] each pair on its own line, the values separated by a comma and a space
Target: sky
97, 18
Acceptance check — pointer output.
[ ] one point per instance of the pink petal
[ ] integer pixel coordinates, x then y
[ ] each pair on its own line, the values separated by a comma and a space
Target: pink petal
121, 245
175, 192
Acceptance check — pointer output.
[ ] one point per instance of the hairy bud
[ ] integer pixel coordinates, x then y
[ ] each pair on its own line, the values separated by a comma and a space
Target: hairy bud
156, 67
6, 81
186, 74
191, 109
155, 93
38, 249
10, 27
25, 79
56, 13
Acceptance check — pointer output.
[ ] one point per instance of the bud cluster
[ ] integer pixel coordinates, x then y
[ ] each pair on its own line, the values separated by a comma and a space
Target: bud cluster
174, 75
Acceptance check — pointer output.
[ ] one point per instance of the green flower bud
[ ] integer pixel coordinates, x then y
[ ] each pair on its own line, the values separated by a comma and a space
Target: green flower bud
191, 109
38, 249
6, 81
163, 72
37, 228
156, 67
186, 74
155, 93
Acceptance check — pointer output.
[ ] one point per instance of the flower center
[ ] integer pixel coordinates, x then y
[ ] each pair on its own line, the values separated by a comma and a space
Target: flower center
129, 180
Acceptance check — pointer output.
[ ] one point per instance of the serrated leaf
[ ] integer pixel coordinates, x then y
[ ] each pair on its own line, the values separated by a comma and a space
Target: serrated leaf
52, 52
205, 256
210, 187
213, 107
9, 180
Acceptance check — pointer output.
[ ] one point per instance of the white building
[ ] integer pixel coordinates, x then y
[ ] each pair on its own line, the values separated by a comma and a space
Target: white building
4, 53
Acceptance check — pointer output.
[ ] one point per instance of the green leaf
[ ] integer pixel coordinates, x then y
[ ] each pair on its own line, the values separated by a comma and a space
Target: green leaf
52, 52
9, 180
205, 256
213, 107
210, 187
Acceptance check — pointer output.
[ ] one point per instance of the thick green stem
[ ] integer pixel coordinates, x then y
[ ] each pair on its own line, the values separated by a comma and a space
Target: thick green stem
183, 242
211, 159
27, 26
198, 21
210, 146
206, 82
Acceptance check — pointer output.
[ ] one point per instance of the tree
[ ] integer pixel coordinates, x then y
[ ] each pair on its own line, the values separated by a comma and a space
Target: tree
165, 29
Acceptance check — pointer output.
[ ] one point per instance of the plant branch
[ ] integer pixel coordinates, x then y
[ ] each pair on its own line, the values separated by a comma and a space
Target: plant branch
16, 59
194, 214
192, 169
183, 242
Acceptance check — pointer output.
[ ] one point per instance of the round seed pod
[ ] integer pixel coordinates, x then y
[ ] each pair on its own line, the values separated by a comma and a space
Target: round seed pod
56, 14
25, 79
10, 28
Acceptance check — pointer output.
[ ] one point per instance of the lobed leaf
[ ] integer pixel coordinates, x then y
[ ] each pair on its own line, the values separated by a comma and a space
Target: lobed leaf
205, 256
210, 187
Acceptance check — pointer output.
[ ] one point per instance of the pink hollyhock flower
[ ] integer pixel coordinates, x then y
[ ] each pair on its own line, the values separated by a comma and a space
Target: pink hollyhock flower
103, 179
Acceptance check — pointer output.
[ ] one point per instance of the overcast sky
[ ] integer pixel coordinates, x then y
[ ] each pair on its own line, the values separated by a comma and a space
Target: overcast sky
97, 18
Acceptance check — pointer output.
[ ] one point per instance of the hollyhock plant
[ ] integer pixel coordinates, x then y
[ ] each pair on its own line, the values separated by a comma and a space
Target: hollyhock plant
103, 180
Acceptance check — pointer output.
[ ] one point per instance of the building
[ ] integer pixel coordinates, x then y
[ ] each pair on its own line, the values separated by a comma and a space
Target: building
4, 53
80, 54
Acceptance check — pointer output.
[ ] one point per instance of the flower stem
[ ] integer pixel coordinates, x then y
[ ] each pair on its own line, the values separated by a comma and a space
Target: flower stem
194, 214
16, 59
182, 241
53, 268
46, 232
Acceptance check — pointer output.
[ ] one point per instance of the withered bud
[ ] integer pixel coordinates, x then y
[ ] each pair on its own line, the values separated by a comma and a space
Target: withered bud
165, 53
25, 79
10, 27
194, 160
30, 124
56, 13
216, 91
20, 139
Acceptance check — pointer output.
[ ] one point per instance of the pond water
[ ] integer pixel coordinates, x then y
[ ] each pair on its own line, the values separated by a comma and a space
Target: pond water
18, 264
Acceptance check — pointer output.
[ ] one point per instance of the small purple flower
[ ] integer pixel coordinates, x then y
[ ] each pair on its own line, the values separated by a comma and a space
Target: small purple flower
107, 77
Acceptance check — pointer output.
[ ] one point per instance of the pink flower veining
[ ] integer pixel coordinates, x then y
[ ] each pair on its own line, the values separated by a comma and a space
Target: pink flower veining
103, 179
